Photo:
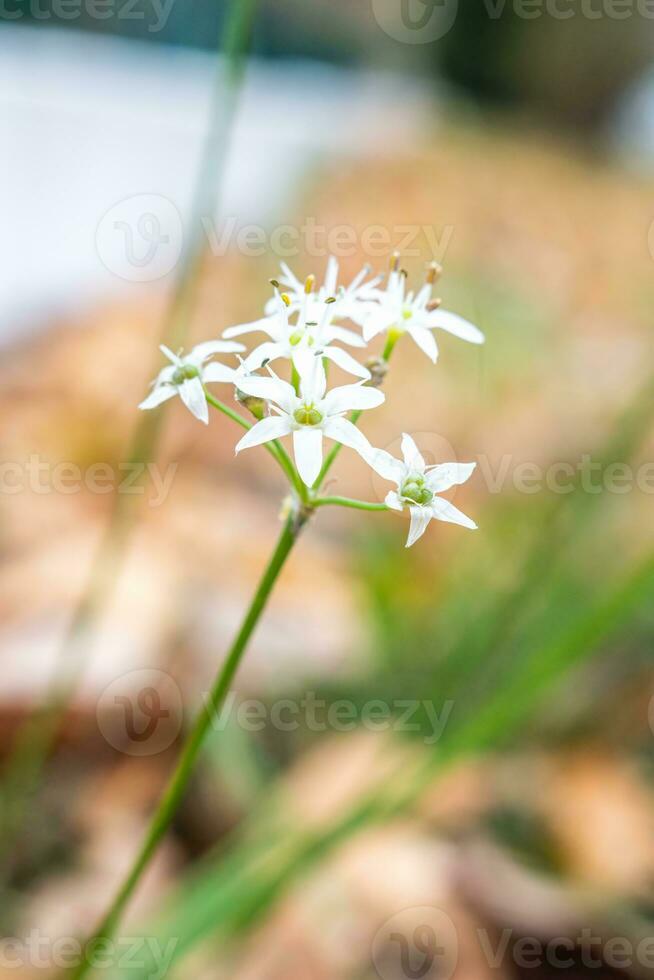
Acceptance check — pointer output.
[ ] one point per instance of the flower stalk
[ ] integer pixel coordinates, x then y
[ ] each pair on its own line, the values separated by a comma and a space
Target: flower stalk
179, 780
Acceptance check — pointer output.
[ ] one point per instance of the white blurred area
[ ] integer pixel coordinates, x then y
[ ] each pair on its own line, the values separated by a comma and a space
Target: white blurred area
89, 121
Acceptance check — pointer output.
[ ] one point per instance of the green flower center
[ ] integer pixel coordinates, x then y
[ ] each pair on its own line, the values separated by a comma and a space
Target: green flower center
298, 336
185, 372
407, 313
415, 489
307, 415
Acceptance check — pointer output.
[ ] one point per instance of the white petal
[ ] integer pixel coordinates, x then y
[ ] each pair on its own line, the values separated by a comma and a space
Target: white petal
290, 279
346, 362
425, 341
411, 453
215, 371
340, 430
192, 394
447, 475
345, 336
159, 394
352, 397
169, 354
386, 465
256, 325
456, 325
307, 447
331, 276
420, 518
392, 500
202, 351
264, 431
376, 323
263, 354
272, 389
312, 376
443, 510
166, 374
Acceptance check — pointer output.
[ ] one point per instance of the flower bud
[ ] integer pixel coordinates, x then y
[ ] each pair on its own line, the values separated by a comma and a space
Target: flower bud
256, 406
378, 368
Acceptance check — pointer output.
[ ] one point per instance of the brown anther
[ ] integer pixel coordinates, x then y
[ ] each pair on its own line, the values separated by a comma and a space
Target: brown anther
433, 304
274, 283
404, 273
330, 299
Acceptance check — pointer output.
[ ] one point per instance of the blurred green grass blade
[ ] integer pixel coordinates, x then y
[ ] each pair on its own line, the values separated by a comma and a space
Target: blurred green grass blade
34, 741
222, 899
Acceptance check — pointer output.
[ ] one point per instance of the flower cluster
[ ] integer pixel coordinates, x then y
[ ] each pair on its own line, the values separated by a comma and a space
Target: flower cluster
305, 327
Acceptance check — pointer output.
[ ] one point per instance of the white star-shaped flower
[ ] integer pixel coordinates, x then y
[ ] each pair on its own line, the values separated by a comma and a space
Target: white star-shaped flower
186, 375
418, 486
402, 312
309, 415
349, 300
313, 330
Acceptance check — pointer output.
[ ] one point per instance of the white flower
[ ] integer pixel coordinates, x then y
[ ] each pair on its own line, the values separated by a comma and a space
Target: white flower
309, 415
313, 331
349, 300
402, 312
418, 485
186, 375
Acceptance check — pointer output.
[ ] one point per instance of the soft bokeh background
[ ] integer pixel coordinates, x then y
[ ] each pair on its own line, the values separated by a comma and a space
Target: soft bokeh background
518, 152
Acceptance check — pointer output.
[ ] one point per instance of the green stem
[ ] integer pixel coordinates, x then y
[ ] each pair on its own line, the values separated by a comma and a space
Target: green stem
275, 447
391, 340
174, 792
347, 502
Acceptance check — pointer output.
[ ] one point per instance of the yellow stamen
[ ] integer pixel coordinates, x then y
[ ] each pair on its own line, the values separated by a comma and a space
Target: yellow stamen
285, 299
308, 284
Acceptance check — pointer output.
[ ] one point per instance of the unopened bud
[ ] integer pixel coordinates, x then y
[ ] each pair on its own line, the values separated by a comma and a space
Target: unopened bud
378, 368
256, 406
